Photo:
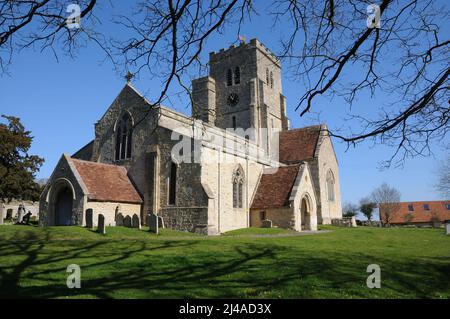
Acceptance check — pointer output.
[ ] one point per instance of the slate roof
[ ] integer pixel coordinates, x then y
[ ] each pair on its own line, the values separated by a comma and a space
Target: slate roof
419, 214
106, 182
275, 187
298, 145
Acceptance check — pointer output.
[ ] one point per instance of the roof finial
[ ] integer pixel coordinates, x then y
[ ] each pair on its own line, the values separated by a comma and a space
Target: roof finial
129, 76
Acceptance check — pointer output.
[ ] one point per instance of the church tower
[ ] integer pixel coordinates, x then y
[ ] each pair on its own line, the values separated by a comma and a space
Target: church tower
243, 90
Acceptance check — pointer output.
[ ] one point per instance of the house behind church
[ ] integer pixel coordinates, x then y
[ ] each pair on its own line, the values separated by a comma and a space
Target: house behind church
230, 165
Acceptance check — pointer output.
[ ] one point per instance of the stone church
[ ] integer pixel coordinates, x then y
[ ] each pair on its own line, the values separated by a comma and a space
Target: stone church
233, 164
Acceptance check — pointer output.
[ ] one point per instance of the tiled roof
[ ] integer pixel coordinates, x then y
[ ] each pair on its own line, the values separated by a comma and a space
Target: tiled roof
299, 144
419, 214
106, 183
275, 187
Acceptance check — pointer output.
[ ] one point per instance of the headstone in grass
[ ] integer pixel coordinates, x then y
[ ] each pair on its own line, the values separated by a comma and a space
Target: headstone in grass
447, 227
119, 219
267, 223
101, 224
89, 218
135, 222
127, 221
152, 221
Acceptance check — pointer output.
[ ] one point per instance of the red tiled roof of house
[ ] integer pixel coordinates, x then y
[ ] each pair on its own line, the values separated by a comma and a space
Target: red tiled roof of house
437, 210
275, 187
107, 183
299, 144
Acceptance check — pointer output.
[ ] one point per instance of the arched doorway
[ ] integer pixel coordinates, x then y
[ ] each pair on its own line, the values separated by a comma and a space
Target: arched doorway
306, 213
63, 207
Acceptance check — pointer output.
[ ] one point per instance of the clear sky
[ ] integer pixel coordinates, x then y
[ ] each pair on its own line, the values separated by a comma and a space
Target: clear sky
59, 102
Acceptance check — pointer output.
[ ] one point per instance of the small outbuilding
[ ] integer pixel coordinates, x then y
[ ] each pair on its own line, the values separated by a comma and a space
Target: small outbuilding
77, 185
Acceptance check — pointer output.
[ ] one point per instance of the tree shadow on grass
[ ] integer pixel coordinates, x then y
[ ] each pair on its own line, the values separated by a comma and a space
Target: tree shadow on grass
177, 269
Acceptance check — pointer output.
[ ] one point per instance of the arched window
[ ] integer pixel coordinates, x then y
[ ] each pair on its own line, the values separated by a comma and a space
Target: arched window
172, 184
124, 135
267, 76
238, 185
233, 119
330, 186
229, 77
271, 79
237, 75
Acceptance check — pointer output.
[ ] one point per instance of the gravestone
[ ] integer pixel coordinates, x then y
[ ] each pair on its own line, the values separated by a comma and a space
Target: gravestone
26, 218
266, 223
161, 222
101, 224
353, 222
447, 227
152, 221
119, 219
135, 223
89, 218
127, 221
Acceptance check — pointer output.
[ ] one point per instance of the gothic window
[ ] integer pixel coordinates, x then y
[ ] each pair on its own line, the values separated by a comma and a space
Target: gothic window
271, 79
172, 184
267, 76
229, 77
238, 185
237, 75
124, 135
233, 119
330, 186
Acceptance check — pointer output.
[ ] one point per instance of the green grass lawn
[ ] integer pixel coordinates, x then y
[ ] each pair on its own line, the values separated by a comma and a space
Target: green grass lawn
128, 263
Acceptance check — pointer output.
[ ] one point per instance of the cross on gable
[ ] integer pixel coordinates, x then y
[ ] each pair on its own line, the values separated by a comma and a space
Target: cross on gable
129, 76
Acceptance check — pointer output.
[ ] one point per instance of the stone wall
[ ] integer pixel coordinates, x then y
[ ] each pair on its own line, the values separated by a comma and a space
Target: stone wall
190, 219
217, 173
108, 210
280, 217
344, 221
326, 161
32, 207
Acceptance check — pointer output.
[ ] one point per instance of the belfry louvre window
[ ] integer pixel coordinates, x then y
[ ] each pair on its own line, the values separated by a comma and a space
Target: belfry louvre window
172, 184
238, 184
267, 76
229, 77
237, 75
124, 136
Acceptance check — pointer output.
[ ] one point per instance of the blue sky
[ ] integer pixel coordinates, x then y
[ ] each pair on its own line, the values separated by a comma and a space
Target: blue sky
59, 101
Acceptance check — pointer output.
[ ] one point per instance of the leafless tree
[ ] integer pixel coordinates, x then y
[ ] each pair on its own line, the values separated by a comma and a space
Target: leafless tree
442, 185
329, 48
388, 201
